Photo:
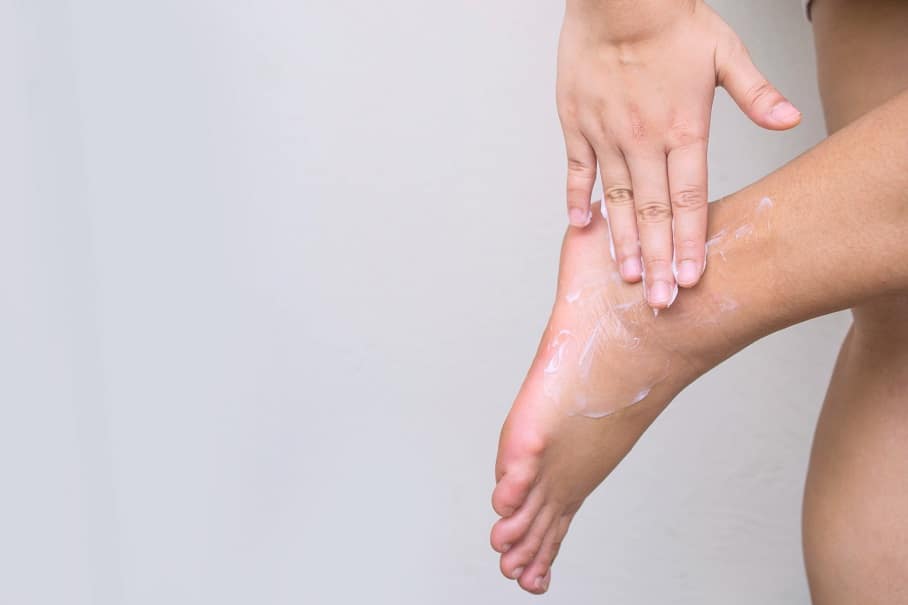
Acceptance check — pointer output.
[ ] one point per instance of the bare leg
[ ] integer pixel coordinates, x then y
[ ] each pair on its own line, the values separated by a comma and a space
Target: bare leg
791, 247
856, 497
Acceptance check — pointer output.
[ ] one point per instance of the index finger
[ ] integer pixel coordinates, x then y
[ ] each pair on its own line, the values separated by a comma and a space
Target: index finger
581, 177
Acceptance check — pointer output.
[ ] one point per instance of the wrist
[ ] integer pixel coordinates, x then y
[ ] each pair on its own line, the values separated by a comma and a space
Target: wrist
624, 21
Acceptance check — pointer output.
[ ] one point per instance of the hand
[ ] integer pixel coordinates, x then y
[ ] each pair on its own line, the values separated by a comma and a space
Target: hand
635, 101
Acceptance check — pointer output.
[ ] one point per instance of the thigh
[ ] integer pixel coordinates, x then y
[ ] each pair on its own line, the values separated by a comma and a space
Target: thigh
856, 496
862, 55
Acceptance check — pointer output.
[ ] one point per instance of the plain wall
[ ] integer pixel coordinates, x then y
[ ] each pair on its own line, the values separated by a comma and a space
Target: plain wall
271, 273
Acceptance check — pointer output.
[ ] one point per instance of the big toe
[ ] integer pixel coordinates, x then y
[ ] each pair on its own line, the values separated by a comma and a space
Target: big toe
512, 489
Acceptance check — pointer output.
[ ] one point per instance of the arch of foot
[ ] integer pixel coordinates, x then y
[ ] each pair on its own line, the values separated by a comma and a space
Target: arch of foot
607, 330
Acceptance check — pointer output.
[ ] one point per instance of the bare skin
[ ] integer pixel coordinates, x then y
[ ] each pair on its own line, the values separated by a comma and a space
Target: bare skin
762, 278
855, 526
636, 80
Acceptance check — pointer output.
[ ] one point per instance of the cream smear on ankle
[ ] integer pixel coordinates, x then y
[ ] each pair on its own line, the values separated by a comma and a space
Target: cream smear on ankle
758, 222
613, 333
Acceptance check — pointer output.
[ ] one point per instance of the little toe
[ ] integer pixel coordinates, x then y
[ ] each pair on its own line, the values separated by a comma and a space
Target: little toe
534, 583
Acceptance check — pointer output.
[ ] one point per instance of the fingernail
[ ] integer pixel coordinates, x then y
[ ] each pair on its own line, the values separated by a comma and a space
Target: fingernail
579, 218
539, 583
660, 293
785, 112
505, 548
631, 268
517, 573
688, 272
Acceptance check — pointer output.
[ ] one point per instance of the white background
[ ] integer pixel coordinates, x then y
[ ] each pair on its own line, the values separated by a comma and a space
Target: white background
270, 275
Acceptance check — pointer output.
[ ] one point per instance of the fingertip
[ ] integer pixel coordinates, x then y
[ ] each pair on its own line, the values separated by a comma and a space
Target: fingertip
687, 285
689, 273
783, 116
631, 269
662, 294
580, 217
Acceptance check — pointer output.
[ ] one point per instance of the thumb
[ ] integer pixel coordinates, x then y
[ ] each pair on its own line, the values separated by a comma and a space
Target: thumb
752, 91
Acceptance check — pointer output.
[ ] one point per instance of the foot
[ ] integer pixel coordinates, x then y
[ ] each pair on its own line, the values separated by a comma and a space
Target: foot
605, 369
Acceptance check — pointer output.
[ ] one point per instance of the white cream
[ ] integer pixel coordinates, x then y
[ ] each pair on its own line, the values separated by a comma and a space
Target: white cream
744, 231
606, 339
608, 332
558, 344
611, 240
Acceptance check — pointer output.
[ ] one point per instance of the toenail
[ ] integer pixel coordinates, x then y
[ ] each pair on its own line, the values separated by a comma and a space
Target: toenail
517, 573
506, 548
539, 583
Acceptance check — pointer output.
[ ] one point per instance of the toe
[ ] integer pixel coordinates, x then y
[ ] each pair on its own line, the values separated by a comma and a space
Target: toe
535, 575
515, 561
512, 490
534, 583
511, 530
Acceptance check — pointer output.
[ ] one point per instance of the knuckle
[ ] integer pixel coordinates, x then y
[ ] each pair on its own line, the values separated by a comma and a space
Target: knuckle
654, 212
658, 272
628, 249
757, 92
568, 108
730, 51
658, 258
683, 133
636, 123
689, 249
681, 139
734, 47
578, 196
579, 167
619, 195
689, 198
578, 192
596, 130
657, 266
